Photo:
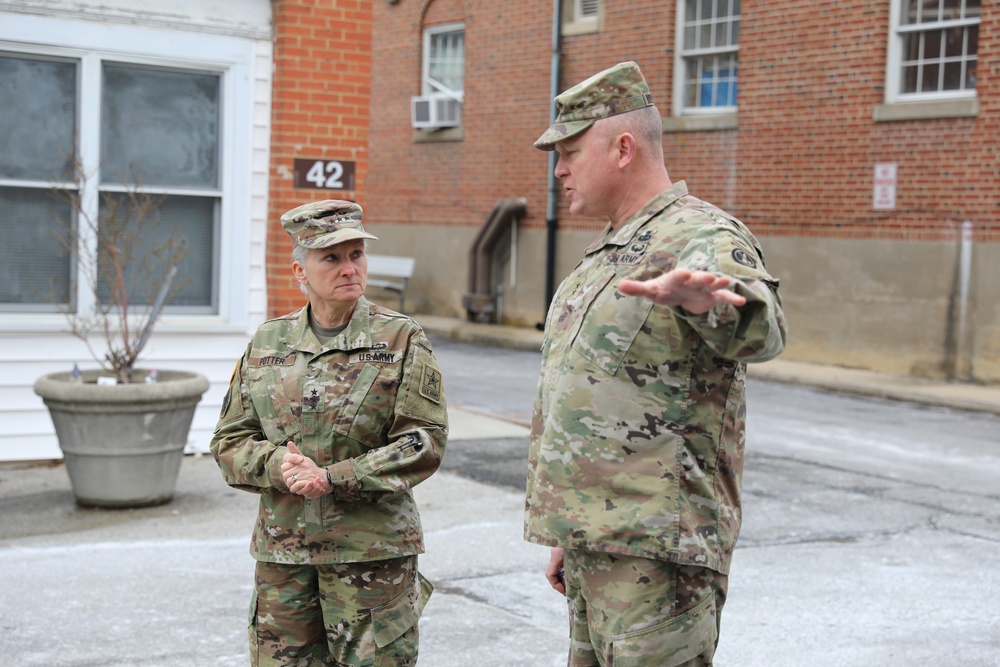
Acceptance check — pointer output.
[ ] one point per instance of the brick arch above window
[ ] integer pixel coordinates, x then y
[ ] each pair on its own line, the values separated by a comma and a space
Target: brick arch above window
443, 11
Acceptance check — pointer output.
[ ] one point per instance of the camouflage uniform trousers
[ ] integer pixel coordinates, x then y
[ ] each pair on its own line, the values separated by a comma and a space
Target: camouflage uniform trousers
340, 615
627, 611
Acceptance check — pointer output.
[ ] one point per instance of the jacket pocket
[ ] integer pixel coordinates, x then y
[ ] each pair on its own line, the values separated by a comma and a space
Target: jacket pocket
610, 324
347, 405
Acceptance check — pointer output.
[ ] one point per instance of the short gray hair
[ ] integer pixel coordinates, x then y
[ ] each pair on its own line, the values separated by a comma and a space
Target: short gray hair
644, 124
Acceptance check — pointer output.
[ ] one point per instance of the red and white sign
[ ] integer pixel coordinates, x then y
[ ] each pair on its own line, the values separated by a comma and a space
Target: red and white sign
884, 198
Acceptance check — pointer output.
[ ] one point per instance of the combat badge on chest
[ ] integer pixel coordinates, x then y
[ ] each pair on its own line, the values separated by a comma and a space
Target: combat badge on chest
633, 252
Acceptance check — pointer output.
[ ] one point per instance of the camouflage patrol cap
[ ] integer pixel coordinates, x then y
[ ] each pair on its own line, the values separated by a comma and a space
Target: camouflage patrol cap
616, 90
325, 223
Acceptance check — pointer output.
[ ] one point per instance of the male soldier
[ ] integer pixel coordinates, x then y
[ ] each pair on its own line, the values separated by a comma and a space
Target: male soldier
333, 414
638, 429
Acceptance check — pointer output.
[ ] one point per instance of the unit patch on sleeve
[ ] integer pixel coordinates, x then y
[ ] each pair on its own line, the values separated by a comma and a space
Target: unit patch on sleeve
744, 257
430, 384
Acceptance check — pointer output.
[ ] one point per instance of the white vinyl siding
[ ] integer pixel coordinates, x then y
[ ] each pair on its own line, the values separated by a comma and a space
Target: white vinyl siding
208, 150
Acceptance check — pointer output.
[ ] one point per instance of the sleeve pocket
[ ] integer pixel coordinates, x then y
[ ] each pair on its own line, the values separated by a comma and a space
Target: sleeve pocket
392, 620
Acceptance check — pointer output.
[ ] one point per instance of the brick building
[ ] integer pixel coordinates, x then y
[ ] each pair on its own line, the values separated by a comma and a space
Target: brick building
856, 138
781, 112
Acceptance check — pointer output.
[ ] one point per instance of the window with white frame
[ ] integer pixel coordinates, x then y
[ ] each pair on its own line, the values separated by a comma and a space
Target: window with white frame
440, 104
934, 50
157, 128
706, 67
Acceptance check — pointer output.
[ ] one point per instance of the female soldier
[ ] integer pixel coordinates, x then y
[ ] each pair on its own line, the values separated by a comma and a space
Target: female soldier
333, 414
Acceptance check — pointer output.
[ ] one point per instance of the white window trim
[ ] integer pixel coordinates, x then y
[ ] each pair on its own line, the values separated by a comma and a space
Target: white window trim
680, 72
894, 60
426, 88
233, 58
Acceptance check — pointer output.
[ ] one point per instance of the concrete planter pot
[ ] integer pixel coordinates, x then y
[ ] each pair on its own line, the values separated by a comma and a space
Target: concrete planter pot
122, 444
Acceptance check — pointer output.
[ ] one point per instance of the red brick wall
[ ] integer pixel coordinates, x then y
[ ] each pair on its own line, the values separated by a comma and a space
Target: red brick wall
506, 106
810, 76
322, 83
800, 163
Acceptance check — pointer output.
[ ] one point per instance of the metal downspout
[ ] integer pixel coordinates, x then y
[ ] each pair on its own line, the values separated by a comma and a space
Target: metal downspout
551, 219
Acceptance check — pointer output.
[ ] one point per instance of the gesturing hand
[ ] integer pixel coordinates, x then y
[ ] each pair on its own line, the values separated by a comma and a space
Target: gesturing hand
695, 291
301, 474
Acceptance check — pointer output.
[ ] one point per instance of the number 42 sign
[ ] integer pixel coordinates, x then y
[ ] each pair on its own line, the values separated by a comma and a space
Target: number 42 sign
324, 174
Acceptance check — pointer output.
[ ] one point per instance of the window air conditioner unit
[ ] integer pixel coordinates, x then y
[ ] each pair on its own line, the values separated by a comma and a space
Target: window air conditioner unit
432, 111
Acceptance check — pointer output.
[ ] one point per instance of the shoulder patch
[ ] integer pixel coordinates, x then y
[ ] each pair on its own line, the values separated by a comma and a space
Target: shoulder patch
741, 256
430, 383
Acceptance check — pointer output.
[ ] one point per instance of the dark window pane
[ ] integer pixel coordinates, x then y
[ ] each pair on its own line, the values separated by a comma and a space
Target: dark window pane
34, 265
721, 34
954, 42
932, 44
159, 127
705, 36
37, 118
911, 46
188, 219
690, 10
929, 78
953, 76
909, 83
951, 10
706, 10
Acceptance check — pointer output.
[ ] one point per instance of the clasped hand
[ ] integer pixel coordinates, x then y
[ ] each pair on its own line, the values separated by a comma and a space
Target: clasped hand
302, 475
695, 291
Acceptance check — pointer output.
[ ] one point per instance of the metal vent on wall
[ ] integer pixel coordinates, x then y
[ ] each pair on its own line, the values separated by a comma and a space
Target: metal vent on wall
430, 111
588, 8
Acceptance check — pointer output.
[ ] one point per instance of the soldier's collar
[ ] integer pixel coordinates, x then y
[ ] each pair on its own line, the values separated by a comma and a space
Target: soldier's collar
357, 334
624, 234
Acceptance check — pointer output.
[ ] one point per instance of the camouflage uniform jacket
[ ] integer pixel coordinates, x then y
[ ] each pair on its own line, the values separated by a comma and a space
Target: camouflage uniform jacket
368, 405
638, 427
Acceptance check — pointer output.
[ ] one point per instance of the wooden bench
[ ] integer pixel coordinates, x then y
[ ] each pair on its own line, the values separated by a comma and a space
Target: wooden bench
390, 273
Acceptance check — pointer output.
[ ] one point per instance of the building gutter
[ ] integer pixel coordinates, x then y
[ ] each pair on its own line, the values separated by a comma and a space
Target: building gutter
551, 215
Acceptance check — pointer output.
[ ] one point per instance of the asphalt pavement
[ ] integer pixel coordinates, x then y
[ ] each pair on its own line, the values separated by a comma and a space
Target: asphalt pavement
169, 586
